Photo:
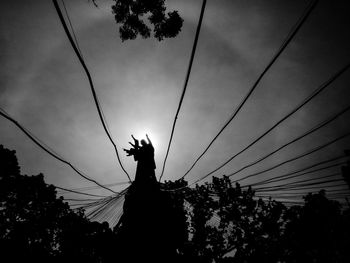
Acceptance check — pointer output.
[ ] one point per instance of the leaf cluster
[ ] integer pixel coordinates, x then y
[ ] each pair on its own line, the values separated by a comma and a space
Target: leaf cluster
229, 224
215, 222
37, 226
136, 17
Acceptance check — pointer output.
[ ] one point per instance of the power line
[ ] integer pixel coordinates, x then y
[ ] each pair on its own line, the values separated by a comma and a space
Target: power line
3, 113
295, 196
297, 183
305, 168
312, 130
86, 206
315, 186
99, 204
105, 207
90, 206
290, 36
294, 183
79, 200
303, 187
185, 84
99, 109
42, 146
298, 199
275, 166
76, 192
116, 218
99, 209
95, 187
313, 189
302, 104
108, 213
268, 198
318, 148
284, 177
72, 28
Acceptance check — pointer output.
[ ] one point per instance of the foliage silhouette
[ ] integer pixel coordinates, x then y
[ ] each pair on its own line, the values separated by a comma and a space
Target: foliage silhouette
242, 226
252, 230
130, 14
346, 170
215, 222
36, 226
317, 232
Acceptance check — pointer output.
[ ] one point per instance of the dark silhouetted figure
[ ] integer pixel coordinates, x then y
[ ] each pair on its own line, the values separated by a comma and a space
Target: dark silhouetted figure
146, 230
144, 155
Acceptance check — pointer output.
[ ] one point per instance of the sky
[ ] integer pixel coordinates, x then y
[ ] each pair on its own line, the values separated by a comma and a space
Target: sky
139, 83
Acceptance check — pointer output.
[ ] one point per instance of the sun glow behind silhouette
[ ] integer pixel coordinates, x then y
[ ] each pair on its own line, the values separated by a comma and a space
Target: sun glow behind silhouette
141, 135
139, 128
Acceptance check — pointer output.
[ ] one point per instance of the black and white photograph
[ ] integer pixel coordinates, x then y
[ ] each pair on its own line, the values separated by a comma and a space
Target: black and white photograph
195, 131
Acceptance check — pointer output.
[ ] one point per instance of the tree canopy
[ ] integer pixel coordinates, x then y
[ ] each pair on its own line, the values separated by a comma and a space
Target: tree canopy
214, 222
37, 226
229, 224
137, 17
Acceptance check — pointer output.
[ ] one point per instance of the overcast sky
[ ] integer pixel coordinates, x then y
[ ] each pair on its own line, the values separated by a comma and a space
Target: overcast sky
139, 83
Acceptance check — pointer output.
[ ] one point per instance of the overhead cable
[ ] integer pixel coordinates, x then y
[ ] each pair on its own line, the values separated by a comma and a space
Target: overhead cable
318, 148
289, 38
302, 104
283, 178
312, 130
185, 84
37, 142
98, 107
76, 192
